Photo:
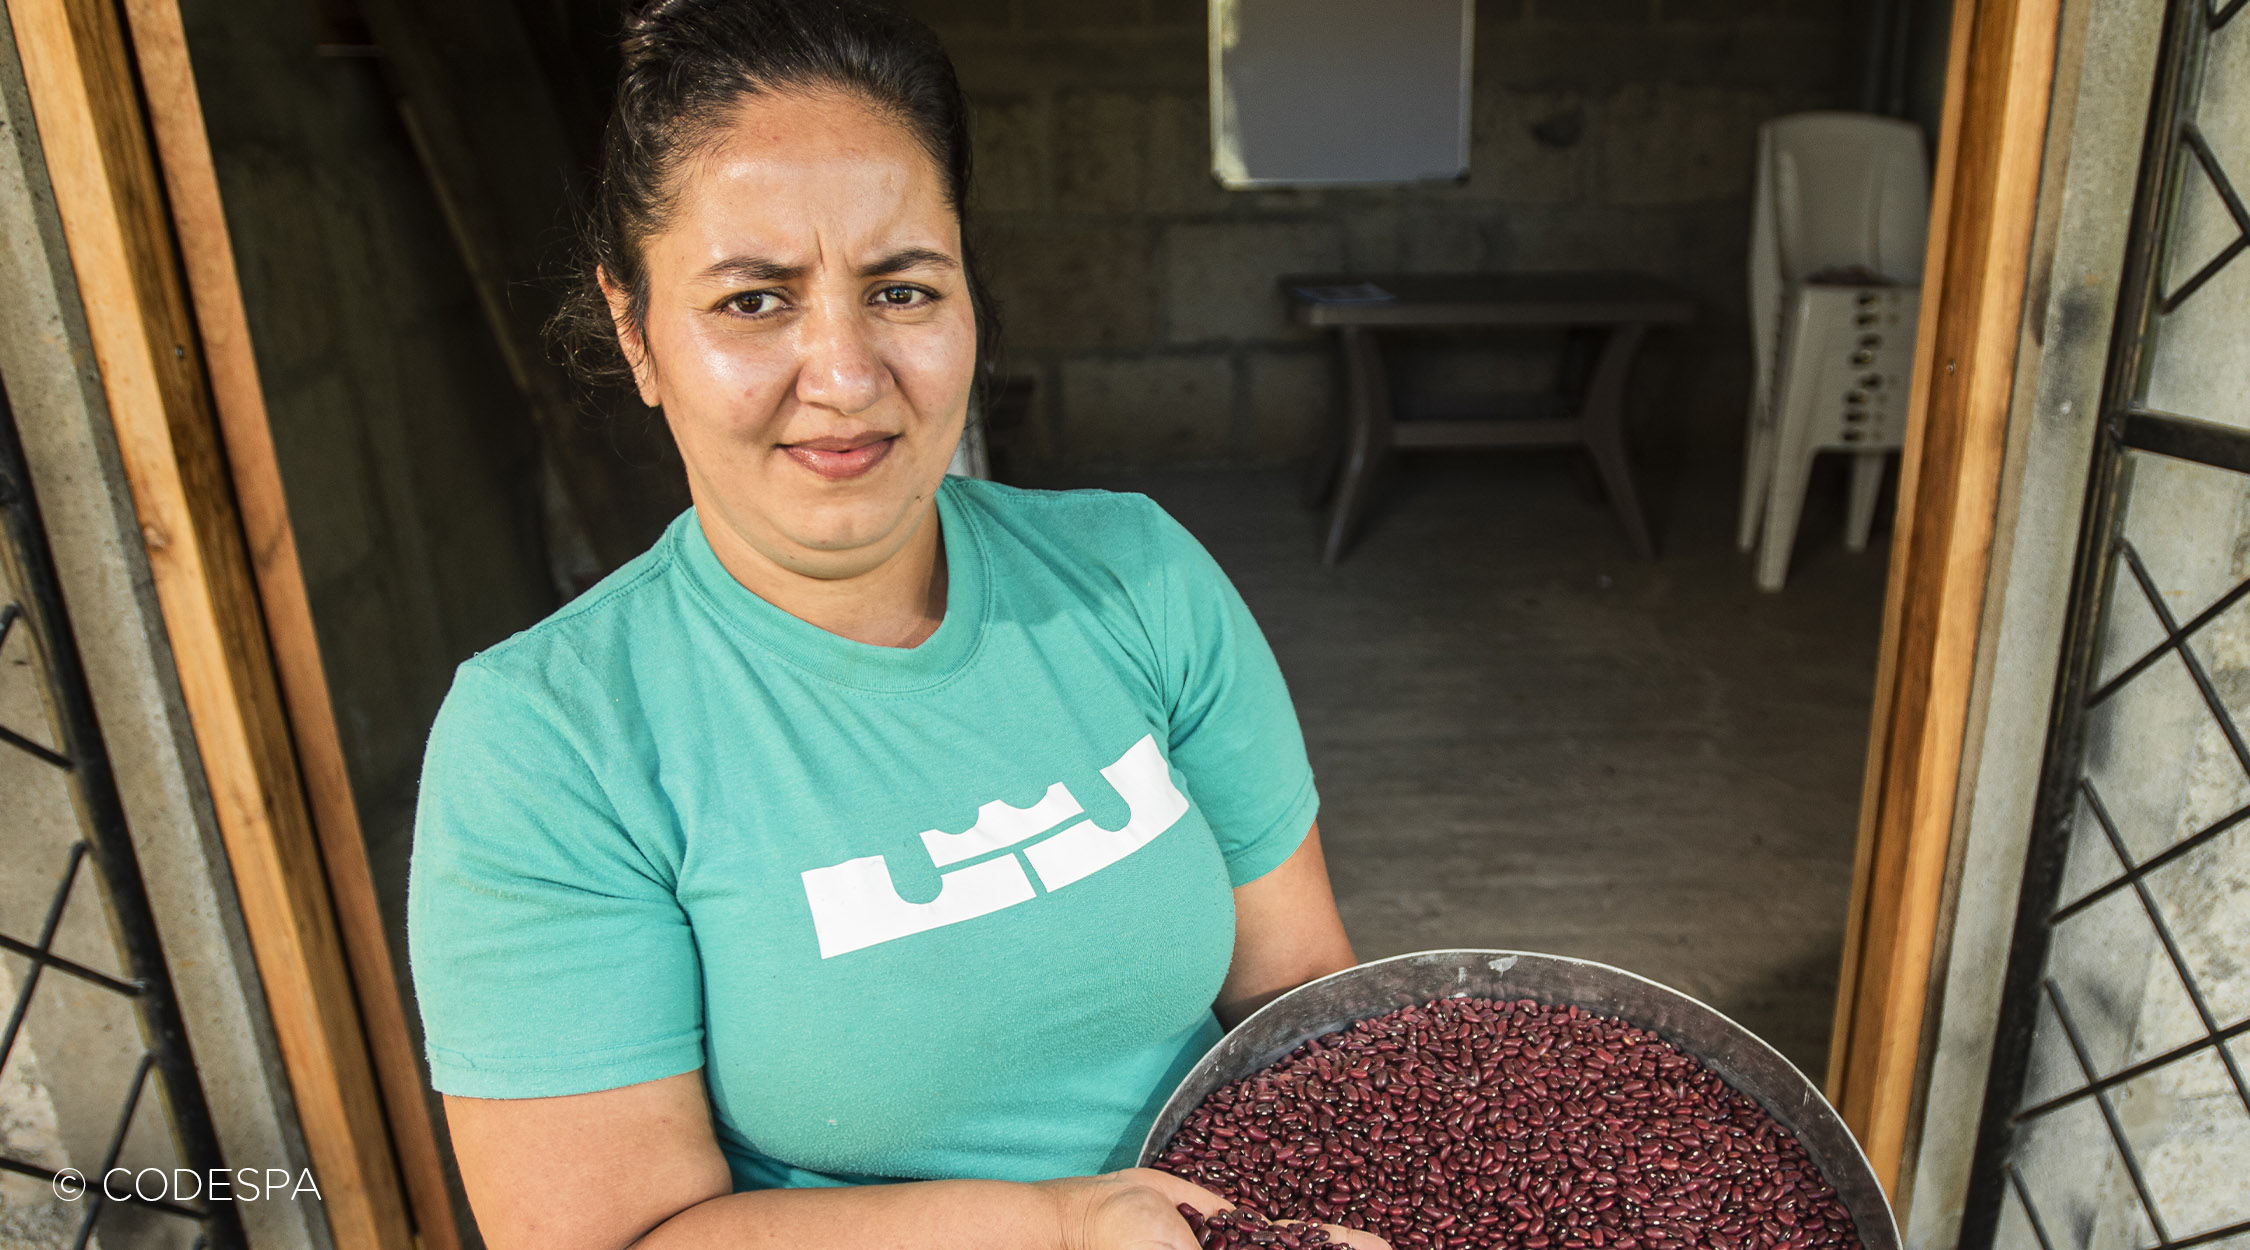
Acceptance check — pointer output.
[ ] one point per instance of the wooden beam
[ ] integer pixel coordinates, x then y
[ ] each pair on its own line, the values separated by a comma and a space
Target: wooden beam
214, 289
107, 193
1985, 198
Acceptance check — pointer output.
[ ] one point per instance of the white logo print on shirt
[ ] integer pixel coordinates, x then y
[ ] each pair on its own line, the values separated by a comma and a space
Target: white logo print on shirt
854, 904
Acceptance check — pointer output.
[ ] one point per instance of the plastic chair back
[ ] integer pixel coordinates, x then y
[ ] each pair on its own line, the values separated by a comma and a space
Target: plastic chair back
1836, 194
1851, 191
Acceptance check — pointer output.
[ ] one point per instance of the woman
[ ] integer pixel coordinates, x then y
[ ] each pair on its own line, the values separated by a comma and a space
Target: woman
879, 847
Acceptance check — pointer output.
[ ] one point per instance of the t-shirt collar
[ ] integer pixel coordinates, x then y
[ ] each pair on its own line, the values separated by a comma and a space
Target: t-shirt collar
839, 659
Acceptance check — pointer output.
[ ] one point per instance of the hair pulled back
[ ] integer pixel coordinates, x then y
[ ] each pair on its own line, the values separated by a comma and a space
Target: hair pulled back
686, 65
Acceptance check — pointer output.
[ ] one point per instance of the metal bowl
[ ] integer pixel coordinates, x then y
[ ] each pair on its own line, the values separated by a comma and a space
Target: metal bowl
1374, 989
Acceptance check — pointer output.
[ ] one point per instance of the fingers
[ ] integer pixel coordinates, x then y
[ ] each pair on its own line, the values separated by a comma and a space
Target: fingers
1182, 1242
1177, 1191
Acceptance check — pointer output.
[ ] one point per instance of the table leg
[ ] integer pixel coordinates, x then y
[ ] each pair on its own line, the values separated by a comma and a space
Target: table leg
1367, 437
1326, 459
1320, 473
1603, 422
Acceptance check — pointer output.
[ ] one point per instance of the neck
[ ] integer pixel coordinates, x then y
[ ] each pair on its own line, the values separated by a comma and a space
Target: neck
896, 603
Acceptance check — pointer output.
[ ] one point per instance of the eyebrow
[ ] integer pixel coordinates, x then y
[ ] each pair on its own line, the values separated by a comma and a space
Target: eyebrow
908, 258
763, 269
753, 269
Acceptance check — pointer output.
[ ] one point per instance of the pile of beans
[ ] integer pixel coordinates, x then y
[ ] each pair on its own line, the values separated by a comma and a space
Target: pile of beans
1469, 1123
1239, 1227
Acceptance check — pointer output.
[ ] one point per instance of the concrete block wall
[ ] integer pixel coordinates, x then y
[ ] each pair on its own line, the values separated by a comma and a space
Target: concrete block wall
1142, 296
409, 458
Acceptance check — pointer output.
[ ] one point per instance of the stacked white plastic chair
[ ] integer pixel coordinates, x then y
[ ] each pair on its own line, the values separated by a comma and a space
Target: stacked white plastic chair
1837, 228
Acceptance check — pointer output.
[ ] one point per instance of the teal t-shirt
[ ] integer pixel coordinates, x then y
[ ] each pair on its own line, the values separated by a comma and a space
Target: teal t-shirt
954, 910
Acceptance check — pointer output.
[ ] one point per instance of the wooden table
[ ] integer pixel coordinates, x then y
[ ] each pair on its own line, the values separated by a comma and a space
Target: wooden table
1622, 306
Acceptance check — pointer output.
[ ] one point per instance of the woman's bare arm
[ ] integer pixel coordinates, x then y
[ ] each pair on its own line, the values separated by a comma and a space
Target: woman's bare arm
640, 1167
1286, 932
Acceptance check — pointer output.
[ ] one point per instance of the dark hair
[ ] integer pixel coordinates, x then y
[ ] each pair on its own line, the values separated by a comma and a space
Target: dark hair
686, 64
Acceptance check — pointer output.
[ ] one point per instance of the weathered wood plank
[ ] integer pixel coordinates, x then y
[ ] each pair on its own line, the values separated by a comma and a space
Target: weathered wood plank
191, 183
112, 207
1984, 204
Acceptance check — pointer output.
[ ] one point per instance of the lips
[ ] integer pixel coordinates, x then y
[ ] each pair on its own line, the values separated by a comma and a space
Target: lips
841, 456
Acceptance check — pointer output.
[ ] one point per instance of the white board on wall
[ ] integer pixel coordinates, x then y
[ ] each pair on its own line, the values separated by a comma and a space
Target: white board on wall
1340, 92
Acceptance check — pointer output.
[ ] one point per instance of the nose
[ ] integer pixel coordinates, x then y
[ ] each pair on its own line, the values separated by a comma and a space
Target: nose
838, 365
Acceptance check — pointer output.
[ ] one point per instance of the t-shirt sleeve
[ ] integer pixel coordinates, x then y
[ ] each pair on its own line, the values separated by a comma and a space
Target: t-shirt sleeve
550, 953
1234, 731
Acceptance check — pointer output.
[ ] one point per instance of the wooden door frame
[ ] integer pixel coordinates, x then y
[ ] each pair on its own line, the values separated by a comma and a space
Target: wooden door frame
121, 131
1999, 85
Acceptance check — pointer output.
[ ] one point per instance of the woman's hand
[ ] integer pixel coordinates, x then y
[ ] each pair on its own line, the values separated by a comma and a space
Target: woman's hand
1136, 1209
640, 1167
1139, 1209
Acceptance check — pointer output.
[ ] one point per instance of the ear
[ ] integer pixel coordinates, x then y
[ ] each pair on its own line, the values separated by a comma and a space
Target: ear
629, 339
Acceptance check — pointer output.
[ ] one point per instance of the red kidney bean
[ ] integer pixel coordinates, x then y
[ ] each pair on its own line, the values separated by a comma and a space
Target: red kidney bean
1469, 1123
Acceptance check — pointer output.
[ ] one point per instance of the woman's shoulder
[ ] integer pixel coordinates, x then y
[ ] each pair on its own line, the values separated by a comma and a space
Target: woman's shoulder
1085, 525
1117, 553
562, 649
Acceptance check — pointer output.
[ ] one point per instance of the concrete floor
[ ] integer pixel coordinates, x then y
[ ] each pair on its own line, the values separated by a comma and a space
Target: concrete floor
1525, 738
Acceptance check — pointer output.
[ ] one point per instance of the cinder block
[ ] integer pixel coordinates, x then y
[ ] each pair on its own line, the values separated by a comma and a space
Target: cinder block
1195, 13
1663, 143
962, 14
1009, 143
486, 576
1529, 147
1097, 152
1611, 11
1146, 410
1446, 242
1294, 398
325, 465
1371, 237
387, 694
1065, 286
448, 430
1177, 177
1080, 14
1822, 12
1030, 444
1720, 11
296, 218
1223, 279
1102, 56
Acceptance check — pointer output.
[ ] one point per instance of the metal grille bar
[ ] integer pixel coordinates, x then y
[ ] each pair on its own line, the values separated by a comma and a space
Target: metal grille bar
2192, 138
104, 843
2110, 567
2220, 446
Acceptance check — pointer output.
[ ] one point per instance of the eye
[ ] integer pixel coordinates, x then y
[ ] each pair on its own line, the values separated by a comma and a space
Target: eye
902, 296
753, 303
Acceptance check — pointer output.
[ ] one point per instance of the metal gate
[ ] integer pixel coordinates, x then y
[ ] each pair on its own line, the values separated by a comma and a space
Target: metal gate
42, 654
2118, 1112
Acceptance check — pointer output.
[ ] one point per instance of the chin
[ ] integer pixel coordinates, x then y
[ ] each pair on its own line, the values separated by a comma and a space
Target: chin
841, 526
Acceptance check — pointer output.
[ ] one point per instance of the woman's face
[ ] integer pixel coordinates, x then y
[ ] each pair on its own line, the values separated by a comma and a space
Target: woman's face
809, 333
